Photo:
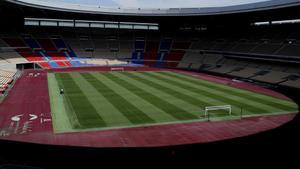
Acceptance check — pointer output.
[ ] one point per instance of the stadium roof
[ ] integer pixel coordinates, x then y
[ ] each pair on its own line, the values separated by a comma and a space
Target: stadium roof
153, 3
158, 7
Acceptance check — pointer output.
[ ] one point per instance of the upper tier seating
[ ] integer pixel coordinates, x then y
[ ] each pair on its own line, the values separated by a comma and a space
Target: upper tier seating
292, 83
214, 52
273, 77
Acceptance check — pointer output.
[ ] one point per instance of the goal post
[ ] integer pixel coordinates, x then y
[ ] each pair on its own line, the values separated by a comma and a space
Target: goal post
117, 69
213, 108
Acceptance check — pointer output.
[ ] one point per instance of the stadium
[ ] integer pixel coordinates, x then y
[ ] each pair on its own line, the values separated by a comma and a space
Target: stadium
166, 79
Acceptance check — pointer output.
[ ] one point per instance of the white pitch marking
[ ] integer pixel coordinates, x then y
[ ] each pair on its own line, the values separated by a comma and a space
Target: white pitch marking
17, 127
26, 127
3, 133
47, 120
33, 117
11, 125
17, 118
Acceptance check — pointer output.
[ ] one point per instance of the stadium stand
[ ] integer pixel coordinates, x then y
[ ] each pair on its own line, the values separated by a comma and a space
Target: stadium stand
191, 60
45, 65
211, 53
23, 49
151, 52
176, 53
292, 83
273, 77
244, 72
47, 45
6, 78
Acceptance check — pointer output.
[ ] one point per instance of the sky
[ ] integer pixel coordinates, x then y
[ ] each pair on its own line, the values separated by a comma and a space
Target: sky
159, 3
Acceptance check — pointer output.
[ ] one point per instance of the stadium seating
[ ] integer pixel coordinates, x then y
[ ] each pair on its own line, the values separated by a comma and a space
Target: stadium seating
290, 50
150, 58
176, 53
59, 44
266, 48
173, 58
57, 55
191, 60
6, 78
9, 55
45, 65
32, 43
23, 49
292, 83
139, 45
46, 44
272, 77
244, 72
203, 53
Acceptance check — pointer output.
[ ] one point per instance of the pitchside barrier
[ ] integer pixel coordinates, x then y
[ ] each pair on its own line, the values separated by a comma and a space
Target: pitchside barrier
117, 69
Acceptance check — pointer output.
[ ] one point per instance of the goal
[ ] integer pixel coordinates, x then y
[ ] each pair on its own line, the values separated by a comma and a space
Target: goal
214, 108
117, 69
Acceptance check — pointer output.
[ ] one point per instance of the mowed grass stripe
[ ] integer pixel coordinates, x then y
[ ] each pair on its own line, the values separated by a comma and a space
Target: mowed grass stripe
208, 101
70, 113
224, 99
236, 109
254, 96
167, 107
84, 110
153, 112
165, 89
193, 97
182, 94
61, 122
133, 114
197, 96
195, 110
233, 91
112, 116
267, 108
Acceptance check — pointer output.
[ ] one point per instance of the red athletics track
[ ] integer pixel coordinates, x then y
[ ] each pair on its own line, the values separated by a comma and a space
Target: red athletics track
28, 104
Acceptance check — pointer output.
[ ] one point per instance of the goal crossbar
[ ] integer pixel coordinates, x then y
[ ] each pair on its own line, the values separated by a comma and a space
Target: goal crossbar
223, 107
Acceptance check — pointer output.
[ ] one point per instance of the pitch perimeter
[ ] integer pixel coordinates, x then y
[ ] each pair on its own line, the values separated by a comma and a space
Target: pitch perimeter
105, 100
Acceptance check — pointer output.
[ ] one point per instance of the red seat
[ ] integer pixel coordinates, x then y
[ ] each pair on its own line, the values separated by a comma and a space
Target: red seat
47, 44
57, 56
45, 65
61, 64
68, 63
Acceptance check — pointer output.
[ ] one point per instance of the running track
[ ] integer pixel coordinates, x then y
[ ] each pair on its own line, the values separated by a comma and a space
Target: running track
28, 103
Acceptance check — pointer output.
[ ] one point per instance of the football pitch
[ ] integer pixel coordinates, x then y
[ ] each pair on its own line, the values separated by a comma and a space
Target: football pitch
105, 100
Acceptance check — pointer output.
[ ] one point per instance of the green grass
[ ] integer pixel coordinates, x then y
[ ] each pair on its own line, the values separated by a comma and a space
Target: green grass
103, 100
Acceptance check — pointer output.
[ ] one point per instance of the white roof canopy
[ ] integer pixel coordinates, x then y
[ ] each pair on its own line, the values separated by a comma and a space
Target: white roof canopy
157, 7
152, 4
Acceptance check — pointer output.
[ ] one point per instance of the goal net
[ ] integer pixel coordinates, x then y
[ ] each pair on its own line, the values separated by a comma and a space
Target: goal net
117, 69
209, 109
